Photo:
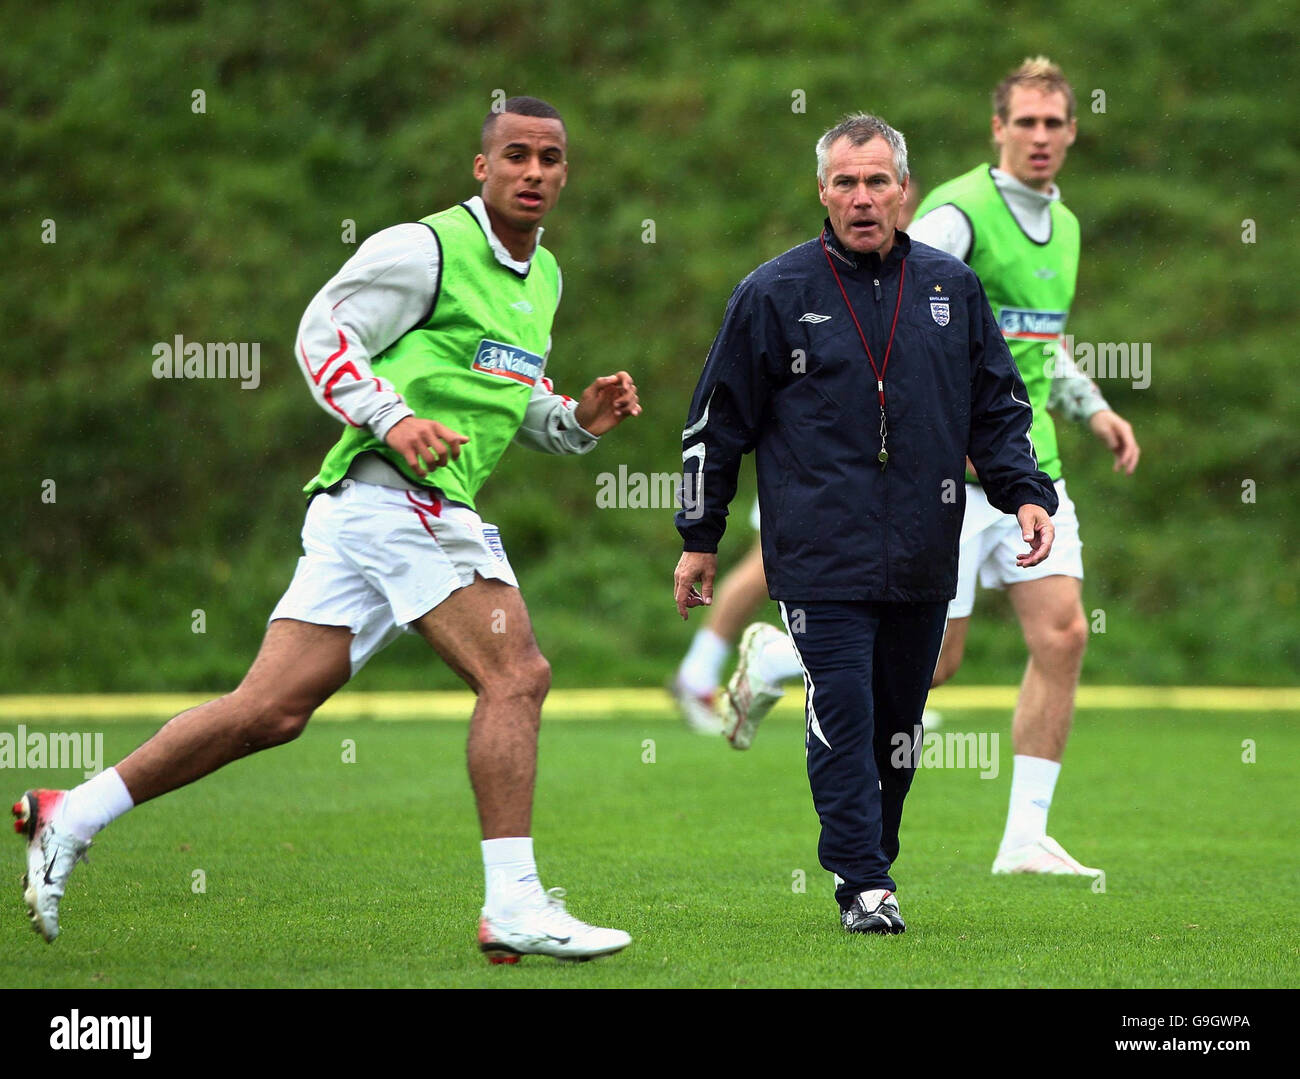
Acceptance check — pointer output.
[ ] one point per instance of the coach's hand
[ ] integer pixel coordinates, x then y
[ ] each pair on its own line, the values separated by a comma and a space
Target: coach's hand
1038, 531
426, 444
691, 567
606, 403
1114, 430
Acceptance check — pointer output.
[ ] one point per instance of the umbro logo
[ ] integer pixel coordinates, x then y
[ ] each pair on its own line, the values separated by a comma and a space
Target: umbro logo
524, 306
813, 317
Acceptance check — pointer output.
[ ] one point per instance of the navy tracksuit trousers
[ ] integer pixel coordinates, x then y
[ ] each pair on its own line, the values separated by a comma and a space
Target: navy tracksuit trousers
867, 670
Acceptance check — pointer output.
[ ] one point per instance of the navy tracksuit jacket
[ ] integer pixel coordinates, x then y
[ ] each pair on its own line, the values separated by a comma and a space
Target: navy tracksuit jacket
864, 559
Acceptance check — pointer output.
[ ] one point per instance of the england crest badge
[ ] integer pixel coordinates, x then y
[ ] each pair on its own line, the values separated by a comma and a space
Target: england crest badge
939, 312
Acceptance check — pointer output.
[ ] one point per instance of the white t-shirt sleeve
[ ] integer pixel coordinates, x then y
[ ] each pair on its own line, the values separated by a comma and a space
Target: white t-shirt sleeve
946, 228
384, 290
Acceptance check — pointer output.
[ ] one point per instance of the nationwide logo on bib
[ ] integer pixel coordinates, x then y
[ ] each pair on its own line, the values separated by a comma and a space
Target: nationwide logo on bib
508, 361
1023, 324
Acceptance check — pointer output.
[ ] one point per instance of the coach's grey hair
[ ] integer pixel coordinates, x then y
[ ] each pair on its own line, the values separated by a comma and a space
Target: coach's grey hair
860, 127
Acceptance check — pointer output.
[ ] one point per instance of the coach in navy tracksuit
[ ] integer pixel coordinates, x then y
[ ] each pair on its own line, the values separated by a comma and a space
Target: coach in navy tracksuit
862, 369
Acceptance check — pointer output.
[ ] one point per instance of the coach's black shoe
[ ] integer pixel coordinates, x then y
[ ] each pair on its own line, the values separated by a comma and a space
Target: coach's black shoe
873, 912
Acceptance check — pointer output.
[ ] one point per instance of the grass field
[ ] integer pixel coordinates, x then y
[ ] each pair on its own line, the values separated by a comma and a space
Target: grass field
324, 873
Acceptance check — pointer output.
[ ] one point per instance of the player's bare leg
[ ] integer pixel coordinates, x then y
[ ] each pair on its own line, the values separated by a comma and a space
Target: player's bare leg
951, 654
1051, 615
298, 668
953, 650
739, 595
484, 634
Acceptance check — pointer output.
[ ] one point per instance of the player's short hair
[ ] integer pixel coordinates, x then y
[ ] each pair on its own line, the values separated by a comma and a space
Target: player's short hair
521, 106
1040, 73
860, 127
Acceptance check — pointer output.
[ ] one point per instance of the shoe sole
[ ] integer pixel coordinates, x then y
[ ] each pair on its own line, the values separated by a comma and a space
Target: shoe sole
730, 730
25, 819
741, 736
498, 954
730, 710
890, 931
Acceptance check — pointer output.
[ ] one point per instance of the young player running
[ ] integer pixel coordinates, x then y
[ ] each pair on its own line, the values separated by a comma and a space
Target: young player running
430, 345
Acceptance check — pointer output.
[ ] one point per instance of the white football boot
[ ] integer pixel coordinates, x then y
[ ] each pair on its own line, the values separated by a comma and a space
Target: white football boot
51, 854
747, 698
1044, 855
540, 925
697, 709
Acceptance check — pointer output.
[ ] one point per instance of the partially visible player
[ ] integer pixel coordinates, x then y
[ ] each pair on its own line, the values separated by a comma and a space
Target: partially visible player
431, 329
1009, 225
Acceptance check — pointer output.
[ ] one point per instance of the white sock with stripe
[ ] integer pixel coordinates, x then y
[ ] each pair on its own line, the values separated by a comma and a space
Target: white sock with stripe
510, 874
1033, 781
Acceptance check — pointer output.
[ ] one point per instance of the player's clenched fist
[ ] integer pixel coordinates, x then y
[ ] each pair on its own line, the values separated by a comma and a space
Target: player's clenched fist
426, 444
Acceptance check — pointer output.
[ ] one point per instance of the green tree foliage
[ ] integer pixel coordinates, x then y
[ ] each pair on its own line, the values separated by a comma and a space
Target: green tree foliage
220, 224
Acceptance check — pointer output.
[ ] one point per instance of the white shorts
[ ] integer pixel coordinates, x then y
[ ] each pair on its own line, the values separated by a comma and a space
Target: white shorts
753, 516
990, 541
378, 558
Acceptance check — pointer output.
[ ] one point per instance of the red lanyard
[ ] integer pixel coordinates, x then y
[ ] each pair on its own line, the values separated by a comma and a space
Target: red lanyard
883, 455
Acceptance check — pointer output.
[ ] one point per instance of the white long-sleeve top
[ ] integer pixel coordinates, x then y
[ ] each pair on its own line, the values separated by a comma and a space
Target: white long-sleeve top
384, 290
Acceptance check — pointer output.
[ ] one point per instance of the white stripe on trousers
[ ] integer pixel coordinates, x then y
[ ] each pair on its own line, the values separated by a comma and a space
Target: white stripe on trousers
810, 711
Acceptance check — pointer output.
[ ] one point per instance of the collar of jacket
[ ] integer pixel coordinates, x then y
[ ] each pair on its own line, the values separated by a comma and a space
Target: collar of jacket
856, 261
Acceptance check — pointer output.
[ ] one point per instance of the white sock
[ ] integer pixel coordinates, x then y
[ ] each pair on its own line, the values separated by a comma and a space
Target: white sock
778, 662
701, 668
95, 804
510, 873
1033, 779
